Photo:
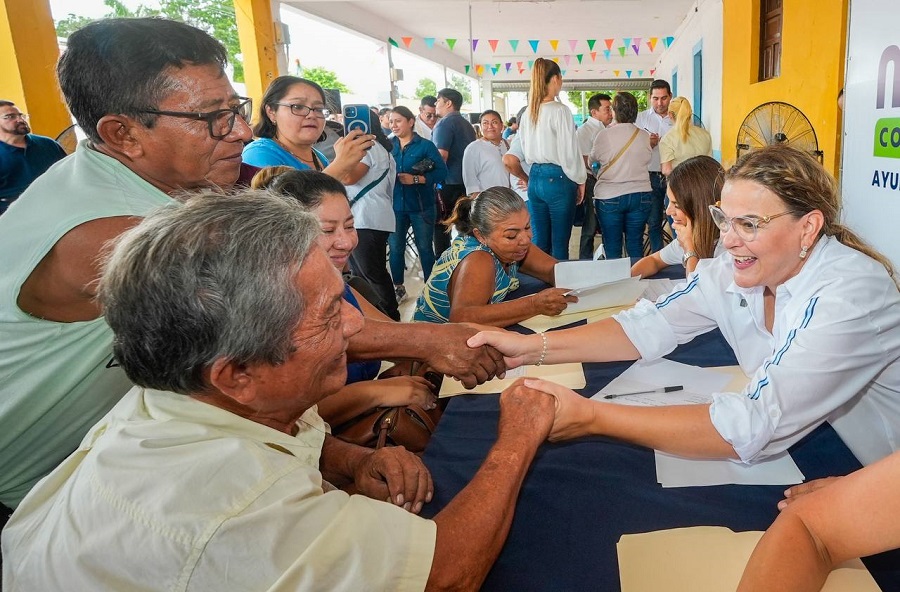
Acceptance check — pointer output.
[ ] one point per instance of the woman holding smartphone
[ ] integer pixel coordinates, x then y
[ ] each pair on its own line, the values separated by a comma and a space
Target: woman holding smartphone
292, 119
556, 180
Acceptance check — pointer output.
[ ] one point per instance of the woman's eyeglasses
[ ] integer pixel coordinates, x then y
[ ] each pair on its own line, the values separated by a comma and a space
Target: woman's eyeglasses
303, 110
746, 227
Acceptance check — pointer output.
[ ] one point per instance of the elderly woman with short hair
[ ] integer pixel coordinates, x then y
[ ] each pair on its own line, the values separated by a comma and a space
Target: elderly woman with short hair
473, 277
622, 193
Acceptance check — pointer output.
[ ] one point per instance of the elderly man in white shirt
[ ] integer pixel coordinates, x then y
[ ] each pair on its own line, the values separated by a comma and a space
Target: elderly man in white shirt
215, 472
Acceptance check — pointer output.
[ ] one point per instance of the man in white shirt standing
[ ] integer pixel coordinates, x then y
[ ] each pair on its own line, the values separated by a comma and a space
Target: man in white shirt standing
600, 109
657, 122
427, 117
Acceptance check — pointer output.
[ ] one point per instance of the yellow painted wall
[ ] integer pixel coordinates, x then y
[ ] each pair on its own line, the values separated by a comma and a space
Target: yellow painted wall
28, 54
813, 53
256, 31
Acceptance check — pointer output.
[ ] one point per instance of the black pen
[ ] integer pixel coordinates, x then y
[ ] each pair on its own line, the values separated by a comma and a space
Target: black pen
662, 389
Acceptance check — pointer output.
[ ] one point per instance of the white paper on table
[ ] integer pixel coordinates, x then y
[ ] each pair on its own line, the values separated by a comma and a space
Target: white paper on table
568, 375
584, 274
675, 471
699, 384
660, 287
708, 559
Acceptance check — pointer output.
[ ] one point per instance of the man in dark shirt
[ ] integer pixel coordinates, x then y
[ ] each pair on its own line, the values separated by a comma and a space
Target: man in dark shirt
451, 135
23, 156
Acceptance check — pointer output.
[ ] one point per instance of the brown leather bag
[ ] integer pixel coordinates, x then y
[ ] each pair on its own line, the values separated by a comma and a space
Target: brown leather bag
410, 426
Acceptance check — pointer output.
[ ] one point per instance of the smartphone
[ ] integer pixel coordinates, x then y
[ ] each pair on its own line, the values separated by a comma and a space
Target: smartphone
356, 117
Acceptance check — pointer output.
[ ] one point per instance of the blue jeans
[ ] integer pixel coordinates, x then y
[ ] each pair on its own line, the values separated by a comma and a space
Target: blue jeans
657, 211
551, 203
626, 213
423, 234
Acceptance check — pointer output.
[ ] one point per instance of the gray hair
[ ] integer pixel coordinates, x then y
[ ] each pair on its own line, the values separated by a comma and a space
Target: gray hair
208, 279
483, 211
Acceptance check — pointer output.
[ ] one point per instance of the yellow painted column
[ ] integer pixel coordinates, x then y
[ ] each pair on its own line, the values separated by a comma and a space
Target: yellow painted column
256, 31
28, 54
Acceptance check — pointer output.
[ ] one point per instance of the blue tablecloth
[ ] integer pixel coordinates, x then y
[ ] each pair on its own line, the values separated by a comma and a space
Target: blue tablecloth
581, 496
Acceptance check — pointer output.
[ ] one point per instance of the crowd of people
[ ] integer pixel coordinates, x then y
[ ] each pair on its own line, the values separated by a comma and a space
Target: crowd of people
190, 304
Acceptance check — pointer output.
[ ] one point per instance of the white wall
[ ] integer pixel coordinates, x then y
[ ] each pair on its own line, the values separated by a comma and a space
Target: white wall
702, 25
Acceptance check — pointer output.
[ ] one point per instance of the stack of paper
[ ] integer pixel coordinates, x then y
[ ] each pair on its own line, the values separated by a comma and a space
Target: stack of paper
598, 284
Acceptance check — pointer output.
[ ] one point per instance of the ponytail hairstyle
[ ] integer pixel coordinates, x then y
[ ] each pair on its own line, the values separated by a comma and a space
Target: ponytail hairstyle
542, 73
483, 211
803, 185
697, 184
680, 107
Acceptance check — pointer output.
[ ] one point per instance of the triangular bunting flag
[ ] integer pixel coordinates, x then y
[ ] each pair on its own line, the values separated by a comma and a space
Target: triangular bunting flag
474, 44
622, 52
580, 57
652, 43
514, 44
640, 73
451, 43
593, 56
494, 70
616, 72
520, 66
626, 41
635, 41
429, 42
479, 69
591, 43
407, 41
563, 72
534, 45
668, 41
628, 72
606, 53
567, 58
508, 66
636, 48
608, 43
493, 43
530, 64
572, 44
392, 42
652, 71
555, 60
554, 43
467, 69
521, 70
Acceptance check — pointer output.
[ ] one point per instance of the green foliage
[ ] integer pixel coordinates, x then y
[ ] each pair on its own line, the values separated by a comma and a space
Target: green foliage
216, 17
325, 78
426, 87
461, 83
575, 97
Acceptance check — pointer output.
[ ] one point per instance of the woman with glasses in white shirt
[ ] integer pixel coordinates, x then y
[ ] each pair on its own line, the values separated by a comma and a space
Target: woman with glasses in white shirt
811, 312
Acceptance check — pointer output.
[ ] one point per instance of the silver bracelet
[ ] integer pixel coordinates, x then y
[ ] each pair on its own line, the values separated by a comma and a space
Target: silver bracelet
543, 349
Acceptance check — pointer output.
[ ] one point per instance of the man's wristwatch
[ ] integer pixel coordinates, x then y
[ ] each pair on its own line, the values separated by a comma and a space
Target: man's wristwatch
687, 255
415, 179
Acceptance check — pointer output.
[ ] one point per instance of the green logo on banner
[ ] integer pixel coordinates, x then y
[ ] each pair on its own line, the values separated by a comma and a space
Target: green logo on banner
887, 137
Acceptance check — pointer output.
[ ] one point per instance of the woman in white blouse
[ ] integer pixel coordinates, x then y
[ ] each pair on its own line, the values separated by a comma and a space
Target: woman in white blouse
556, 179
483, 158
811, 312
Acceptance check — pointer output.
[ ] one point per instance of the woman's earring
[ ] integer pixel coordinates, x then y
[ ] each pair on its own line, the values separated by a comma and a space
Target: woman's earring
803, 251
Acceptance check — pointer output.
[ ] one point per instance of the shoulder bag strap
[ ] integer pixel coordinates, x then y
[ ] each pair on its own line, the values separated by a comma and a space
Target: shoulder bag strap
620, 153
369, 187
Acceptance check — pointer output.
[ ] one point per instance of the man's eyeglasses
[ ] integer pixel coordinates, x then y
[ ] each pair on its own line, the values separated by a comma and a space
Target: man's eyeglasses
428, 114
303, 110
746, 227
220, 121
14, 116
